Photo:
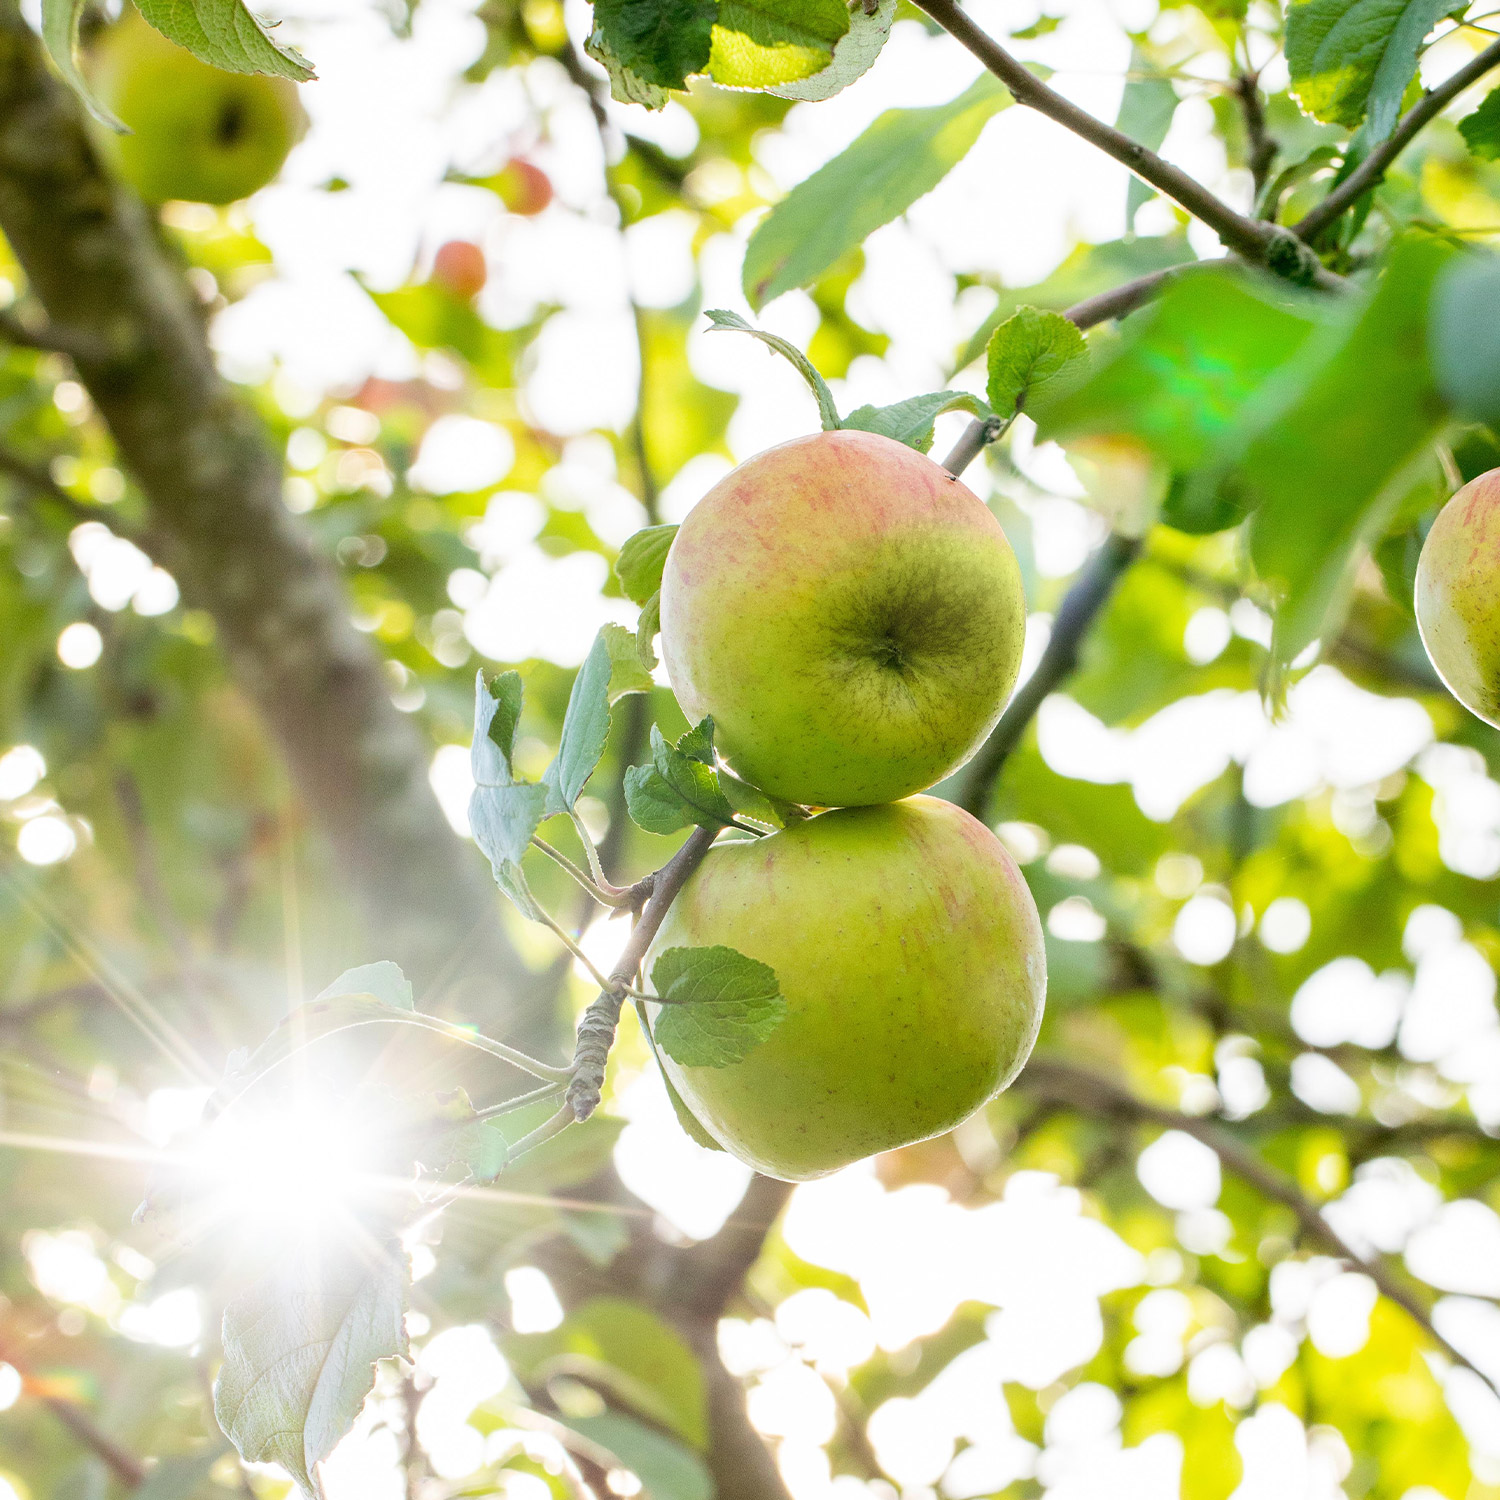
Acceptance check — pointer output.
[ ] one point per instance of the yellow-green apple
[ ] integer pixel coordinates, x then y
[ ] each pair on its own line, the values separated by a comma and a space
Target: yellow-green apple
850, 615
197, 133
523, 187
1458, 596
910, 956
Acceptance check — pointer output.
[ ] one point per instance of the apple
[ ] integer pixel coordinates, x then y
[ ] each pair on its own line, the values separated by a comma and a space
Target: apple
459, 268
1458, 596
910, 955
522, 186
850, 615
198, 133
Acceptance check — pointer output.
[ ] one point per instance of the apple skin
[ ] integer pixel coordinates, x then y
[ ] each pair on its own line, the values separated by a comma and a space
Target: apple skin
850, 615
910, 954
459, 268
523, 187
1458, 596
199, 134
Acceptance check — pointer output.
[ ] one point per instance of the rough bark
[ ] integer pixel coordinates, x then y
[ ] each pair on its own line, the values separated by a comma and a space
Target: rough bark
217, 522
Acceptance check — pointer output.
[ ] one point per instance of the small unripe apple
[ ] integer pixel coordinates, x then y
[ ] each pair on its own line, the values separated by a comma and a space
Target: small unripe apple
459, 268
1458, 596
910, 955
198, 133
523, 187
850, 615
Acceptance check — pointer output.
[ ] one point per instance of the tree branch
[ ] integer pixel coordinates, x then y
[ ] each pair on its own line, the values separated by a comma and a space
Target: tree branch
1261, 243
48, 340
1093, 1094
213, 484
39, 481
127, 1469
1080, 606
1370, 171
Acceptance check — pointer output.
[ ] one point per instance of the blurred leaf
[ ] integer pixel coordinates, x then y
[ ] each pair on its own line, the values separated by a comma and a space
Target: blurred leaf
1330, 452
627, 672
1465, 339
718, 1005
60, 33
659, 42
901, 157
1352, 58
1145, 115
384, 981
666, 1469
730, 322
1481, 130
300, 1349
224, 34
641, 561
911, 421
853, 55
760, 43
1028, 352
679, 787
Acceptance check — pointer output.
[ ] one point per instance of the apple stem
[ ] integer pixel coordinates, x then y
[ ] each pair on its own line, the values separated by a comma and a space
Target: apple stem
596, 1029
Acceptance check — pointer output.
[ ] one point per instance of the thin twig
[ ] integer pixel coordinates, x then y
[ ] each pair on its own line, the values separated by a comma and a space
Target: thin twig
125, 1466
1260, 145
1081, 604
612, 897
1263, 244
1369, 172
37, 479
1094, 1094
48, 339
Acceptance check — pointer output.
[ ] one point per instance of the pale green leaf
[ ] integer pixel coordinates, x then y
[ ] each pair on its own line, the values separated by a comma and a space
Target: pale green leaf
761, 43
679, 787
718, 1005
730, 322
901, 157
585, 730
853, 55
497, 712
911, 421
642, 559
383, 980
60, 33
224, 34
1027, 352
647, 628
627, 672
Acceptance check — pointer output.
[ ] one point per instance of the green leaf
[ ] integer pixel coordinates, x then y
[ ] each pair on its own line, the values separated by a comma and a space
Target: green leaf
902, 156
585, 730
679, 787
383, 980
730, 322
625, 1350
1146, 110
504, 818
1481, 130
1353, 58
660, 43
1465, 336
760, 43
911, 421
503, 813
719, 1005
666, 1469
647, 628
853, 55
497, 712
1027, 352
642, 559
627, 672
1337, 443
60, 33
224, 34
625, 86
300, 1349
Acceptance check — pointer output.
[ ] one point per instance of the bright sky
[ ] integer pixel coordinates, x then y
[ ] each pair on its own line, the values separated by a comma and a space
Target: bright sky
390, 118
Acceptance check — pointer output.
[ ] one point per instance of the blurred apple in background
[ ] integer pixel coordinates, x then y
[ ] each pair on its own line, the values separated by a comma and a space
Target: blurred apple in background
459, 268
522, 186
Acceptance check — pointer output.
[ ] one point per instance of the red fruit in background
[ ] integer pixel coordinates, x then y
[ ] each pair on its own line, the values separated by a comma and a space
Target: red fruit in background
523, 187
459, 267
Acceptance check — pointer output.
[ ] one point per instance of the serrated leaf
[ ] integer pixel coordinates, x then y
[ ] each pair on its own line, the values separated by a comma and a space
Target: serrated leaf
642, 559
1350, 59
750, 802
647, 628
585, 730
384, 980
760, 43
901, 157
1027, 352
1464, 337
627, 672
300, 1350
497, 712
225, 35
730, 322
679, 787
911, 421
720, 1005
60, 33
660, 43
853, 55
1481, 130
504, 818
625, 86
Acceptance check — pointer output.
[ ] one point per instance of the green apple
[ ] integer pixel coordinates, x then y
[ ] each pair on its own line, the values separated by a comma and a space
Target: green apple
910, 955
850, 615
1458, 596
197, 133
